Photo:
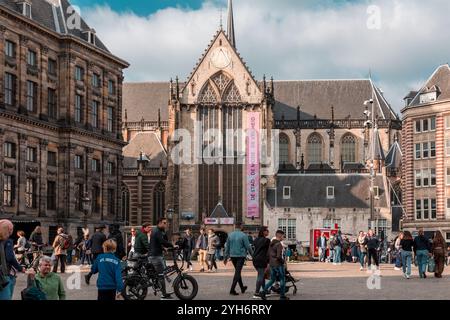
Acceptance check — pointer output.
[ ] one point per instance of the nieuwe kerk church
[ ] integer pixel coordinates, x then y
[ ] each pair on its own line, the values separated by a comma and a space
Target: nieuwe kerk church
324, 144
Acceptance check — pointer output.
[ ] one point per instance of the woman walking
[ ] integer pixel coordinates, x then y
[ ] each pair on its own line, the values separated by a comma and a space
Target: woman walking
439, 250
422, 249
407, 244
362, 243
398, 252
261, 259
8, 262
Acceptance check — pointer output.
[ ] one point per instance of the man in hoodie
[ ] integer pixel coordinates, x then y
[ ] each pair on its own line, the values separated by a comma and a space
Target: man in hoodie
276, 266
60, 250
236, 249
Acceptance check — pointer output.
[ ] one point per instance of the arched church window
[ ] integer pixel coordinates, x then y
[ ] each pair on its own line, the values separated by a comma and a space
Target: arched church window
348, 149
284, 149
158, 201
314, 148
232, 95
208, 95
221, 81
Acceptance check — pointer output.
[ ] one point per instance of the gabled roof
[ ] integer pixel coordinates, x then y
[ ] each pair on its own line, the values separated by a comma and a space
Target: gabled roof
218, 33
438, 82
53, 15
150, 146
315, 98
394, 157
219, 212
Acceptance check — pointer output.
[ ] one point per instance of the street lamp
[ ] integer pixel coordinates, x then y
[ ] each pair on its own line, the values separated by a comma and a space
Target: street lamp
86, 206
372, 124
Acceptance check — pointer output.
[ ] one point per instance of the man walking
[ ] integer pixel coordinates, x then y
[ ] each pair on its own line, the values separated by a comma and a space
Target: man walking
322, 244
60, 246
141, 244
202, 246
236, 249
213, 241
188, 246
158, 242
97, 240
422, 250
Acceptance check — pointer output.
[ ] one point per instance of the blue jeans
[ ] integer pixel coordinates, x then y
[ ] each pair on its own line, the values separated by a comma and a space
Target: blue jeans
362, 258
398, 259
337, 254
323, 254
406, 262
277, 272
7, 292
422, 261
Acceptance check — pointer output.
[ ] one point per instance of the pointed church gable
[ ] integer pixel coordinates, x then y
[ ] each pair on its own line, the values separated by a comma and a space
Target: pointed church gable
221, 67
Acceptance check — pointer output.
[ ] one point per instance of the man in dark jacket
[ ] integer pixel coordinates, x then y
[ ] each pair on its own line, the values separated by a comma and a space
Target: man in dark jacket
158, 242
97, 240
116, 235
276, 266
261, 258
422, 249
188, 244
373, 246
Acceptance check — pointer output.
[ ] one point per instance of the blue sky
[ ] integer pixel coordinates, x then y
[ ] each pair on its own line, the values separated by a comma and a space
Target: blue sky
286, 39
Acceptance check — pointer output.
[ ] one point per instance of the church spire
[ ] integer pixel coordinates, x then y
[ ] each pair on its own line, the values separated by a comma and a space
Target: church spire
230, 25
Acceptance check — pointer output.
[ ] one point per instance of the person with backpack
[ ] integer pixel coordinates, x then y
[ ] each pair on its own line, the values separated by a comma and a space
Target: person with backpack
8, 262
60, 246
338, 243
116, 235
48, 282
70, 249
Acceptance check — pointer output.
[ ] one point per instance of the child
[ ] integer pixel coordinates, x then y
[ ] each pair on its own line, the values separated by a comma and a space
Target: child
107, 265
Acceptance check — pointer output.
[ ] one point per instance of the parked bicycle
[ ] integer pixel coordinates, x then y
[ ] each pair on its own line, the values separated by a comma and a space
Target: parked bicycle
140, 274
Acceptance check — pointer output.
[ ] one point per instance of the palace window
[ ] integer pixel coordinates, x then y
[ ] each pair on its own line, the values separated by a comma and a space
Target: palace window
30, 193
9, 190
10, 89
94, 119
96, 80
78, 108
51, 195
32, 58
110, 119
51, 159
78, 162
95, 165
110, 168
52, 66
31, 154
79, 73
31, 96
9, 150
314, 149
10, 49
111, 87
349, 149
52, 107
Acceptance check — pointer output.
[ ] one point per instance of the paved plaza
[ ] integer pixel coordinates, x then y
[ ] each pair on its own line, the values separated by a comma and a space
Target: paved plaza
318, 281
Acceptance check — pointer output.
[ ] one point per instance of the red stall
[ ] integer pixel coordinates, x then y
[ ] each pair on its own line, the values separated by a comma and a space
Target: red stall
315, 235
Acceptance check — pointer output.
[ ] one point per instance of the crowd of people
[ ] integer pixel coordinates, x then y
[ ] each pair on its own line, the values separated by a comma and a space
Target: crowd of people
427, 254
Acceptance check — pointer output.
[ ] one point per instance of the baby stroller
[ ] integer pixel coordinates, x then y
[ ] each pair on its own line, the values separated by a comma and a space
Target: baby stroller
290, 283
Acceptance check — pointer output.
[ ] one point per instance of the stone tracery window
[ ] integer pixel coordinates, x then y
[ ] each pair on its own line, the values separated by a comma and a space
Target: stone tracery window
284, 149
232, 95
315, 148
221, 81
208, 95
348, 149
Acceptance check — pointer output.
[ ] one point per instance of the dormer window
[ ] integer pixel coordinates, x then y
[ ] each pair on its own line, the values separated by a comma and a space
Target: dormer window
25, 8
429, 94
90, 36
286, 193
330, 193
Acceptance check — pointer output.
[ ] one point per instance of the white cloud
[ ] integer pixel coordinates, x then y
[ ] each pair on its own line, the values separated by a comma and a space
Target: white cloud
289, 40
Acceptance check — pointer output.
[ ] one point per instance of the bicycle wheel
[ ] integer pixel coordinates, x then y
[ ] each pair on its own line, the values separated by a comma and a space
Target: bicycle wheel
185, 287
133, 290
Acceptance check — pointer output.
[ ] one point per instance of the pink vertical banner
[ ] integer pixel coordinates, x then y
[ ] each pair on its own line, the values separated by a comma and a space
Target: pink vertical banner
253, 172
